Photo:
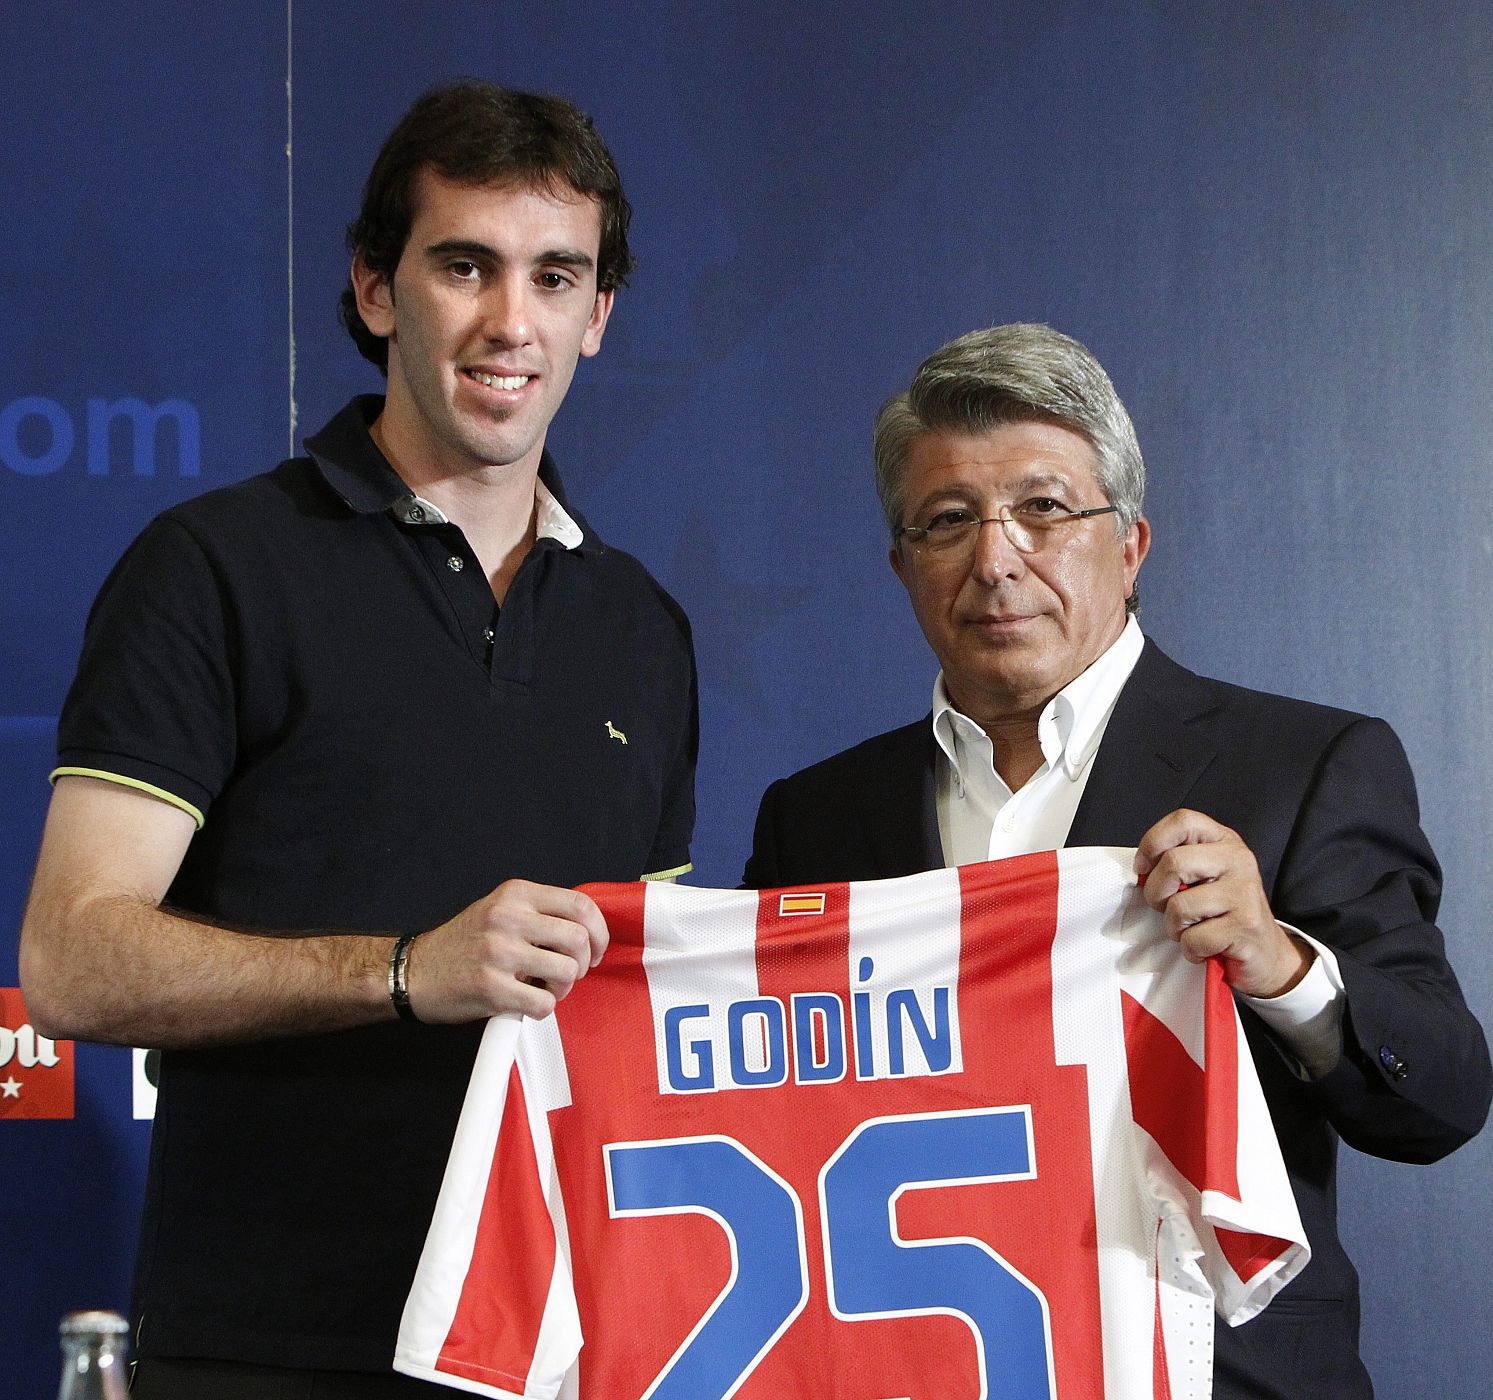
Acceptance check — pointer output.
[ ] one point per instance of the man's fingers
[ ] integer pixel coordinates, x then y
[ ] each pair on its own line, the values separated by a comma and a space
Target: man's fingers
520, 948
555, 972
1186, 868
1208, 938
1191, 903
544, 933
1186, 850
1181, 828
1206, 882
520, 899
534, 1000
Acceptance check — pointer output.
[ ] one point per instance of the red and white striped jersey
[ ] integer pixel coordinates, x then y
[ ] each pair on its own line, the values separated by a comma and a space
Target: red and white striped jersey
980, 1131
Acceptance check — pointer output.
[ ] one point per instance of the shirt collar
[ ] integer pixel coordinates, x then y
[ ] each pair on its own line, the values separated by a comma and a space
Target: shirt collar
351, 464
552, 521
1071, 723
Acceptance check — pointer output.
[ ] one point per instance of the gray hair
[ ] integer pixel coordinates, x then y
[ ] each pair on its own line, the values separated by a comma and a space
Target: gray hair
1012, 374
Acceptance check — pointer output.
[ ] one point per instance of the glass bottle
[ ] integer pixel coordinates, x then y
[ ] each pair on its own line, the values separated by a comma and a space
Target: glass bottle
93, 1356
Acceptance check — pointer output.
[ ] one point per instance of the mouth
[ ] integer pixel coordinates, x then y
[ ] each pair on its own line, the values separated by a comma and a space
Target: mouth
508, 383
1000, 624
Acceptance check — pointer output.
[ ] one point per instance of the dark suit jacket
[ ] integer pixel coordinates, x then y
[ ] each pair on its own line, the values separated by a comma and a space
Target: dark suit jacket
1326, 801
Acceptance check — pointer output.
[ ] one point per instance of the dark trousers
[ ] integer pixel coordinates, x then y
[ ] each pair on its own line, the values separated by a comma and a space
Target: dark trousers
168, 1378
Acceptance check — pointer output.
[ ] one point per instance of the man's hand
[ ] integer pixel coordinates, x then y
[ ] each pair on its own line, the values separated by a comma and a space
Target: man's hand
1206, 882
521, 948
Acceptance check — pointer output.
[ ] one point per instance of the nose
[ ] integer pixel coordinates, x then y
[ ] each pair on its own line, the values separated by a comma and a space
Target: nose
506, 314
995, 557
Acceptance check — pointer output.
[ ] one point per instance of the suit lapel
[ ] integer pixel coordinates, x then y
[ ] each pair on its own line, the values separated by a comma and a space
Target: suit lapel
1152, 754
899, 815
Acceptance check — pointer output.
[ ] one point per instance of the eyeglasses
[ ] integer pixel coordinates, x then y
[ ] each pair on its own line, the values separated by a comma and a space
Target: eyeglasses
1030, 526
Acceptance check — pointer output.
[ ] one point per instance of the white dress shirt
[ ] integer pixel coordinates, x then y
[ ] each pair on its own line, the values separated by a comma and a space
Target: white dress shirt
980, 818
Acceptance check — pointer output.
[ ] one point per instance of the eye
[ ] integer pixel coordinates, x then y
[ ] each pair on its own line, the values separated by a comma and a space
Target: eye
555, 281
951, 518
464, 270
1040, 508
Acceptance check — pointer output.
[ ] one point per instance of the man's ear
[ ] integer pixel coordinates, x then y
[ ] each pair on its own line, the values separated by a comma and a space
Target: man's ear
596, 326
1137, 546
898, 563
375, 294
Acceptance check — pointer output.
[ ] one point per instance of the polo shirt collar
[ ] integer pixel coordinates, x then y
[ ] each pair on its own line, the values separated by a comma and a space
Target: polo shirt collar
350, 462
551, 520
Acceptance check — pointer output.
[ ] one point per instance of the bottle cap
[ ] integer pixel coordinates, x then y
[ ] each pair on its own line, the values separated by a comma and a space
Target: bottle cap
93, 1320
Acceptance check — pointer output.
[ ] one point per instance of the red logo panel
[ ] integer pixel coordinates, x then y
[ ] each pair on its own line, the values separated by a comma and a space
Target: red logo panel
36, 1074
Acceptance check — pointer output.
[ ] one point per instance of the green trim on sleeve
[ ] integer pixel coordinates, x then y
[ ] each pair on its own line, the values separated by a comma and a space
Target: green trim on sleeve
135, 783
670, 874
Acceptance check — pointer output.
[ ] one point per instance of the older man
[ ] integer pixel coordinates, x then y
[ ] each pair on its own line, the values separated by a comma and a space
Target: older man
1278, 836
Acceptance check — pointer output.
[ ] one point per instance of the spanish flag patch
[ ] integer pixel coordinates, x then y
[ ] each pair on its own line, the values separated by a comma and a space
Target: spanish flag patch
800, 904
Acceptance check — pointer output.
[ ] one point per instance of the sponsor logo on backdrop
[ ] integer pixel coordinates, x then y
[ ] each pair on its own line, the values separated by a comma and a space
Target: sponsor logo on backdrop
103, 437
144, 1078
36, 1074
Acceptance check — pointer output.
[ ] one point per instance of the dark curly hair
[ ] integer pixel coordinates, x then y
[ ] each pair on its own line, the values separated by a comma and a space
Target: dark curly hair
477, 133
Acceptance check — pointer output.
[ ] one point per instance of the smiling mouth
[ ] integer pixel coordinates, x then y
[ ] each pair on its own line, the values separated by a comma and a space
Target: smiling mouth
499, 381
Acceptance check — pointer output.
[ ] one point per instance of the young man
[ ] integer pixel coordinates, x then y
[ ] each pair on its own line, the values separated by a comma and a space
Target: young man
340, 737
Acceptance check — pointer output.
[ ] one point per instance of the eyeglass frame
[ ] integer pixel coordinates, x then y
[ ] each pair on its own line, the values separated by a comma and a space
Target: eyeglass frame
918, 534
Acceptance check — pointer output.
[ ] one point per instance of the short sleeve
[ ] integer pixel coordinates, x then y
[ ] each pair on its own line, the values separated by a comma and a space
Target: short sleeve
152, 704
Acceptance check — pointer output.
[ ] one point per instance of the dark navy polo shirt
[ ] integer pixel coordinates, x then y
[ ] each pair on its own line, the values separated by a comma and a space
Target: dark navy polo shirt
322, 677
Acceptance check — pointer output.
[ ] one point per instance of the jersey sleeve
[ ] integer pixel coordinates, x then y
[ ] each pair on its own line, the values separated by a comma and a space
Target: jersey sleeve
152, 704
492, 1309
1209, 1147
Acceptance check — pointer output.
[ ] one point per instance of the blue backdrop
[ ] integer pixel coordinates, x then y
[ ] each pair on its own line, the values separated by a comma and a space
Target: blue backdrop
1271, 219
